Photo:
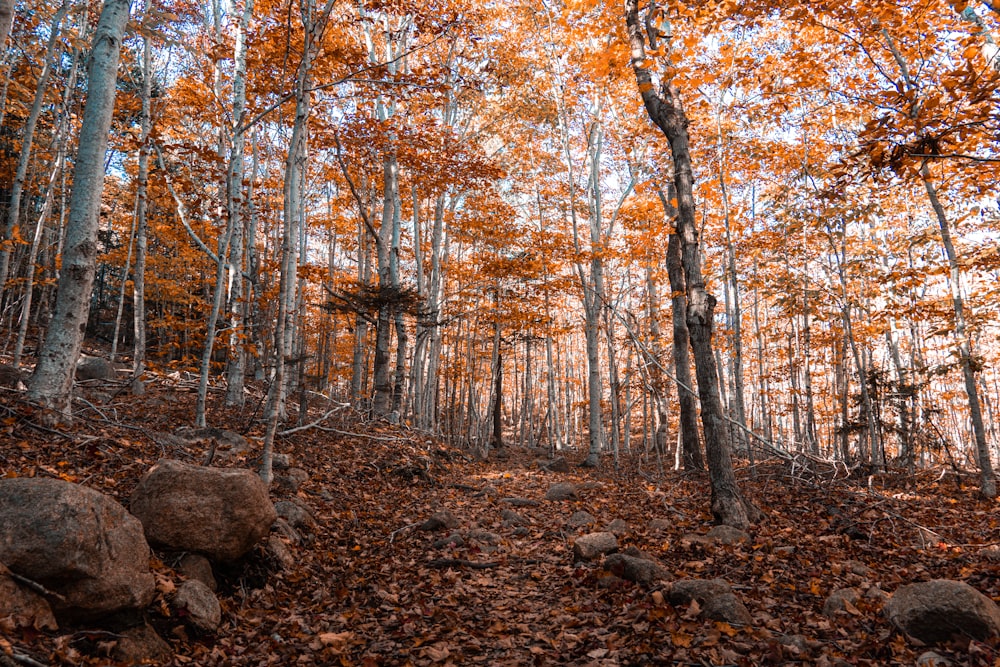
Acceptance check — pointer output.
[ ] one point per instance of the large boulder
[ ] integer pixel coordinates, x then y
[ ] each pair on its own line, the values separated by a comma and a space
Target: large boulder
218, 512
76, 542
933, 611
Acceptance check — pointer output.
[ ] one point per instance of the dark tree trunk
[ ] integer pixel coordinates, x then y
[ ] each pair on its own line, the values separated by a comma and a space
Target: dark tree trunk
665, 110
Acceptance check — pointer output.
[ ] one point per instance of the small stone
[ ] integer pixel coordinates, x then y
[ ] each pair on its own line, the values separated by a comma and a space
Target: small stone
520, 502
558, 464
521, 531
858, 568
933, 659
295, 514
991, 554
292, 480
283, 528
512, 518
581, 519
561, 491
453, 540
439, 520
281, 461
727, 535
141, 645
280, 553
592, 545
660, 525
639, 570
839, 601
618, 527
484, 537
196, 566
716, 598
198, 605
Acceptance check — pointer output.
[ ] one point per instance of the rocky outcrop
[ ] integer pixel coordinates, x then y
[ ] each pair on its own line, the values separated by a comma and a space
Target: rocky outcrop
76, 542
218, 512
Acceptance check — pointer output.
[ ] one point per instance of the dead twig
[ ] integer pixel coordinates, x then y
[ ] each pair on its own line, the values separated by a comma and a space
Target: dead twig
36, 587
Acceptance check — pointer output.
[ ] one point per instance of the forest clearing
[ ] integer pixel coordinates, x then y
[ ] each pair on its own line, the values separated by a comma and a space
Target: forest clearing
368, 586
558, 332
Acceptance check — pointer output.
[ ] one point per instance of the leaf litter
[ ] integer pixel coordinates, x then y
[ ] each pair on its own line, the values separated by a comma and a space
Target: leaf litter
371, 588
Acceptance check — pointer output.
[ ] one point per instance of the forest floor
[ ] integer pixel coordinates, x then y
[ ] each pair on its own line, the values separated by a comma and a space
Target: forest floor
370, 588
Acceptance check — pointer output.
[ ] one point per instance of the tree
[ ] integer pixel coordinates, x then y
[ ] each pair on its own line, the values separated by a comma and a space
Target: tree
666, 111
52, 382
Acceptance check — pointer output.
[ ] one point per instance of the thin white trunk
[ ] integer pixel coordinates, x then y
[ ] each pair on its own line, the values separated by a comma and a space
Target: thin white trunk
52, 383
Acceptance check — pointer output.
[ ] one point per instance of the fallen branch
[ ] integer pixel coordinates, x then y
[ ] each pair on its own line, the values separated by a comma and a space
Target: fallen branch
36, 587
315, 424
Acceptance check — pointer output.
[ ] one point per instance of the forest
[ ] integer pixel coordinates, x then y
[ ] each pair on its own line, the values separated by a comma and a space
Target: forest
741, 259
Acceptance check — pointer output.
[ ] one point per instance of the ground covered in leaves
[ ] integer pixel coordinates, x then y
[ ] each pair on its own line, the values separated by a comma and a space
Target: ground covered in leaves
370, 587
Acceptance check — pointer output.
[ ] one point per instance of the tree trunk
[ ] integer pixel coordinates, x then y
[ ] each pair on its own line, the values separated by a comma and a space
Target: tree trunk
987, 477
666, 111
236, 366
686, 399
52, 383
24, 160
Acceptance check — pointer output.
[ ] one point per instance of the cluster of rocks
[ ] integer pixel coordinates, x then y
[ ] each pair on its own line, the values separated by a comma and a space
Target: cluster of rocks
74, 556
929, 612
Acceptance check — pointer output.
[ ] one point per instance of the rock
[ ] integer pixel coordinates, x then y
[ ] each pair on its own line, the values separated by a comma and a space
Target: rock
520, 502
281, 461
196, 566
283, 528
521, 531
839, 601
453, 540
592, 545
140, 645
440, 520
21, 607
727, 535
581, 519
220, 513
933, 611
295, 514
10, 377
292, 480
280, 553
933, 659
512, 518
991, 554
198, 606
858, 568
77, 542
561, 491
714, 596
660, 525
639, 570
618, 527
94, 368
558, 464
484, 537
